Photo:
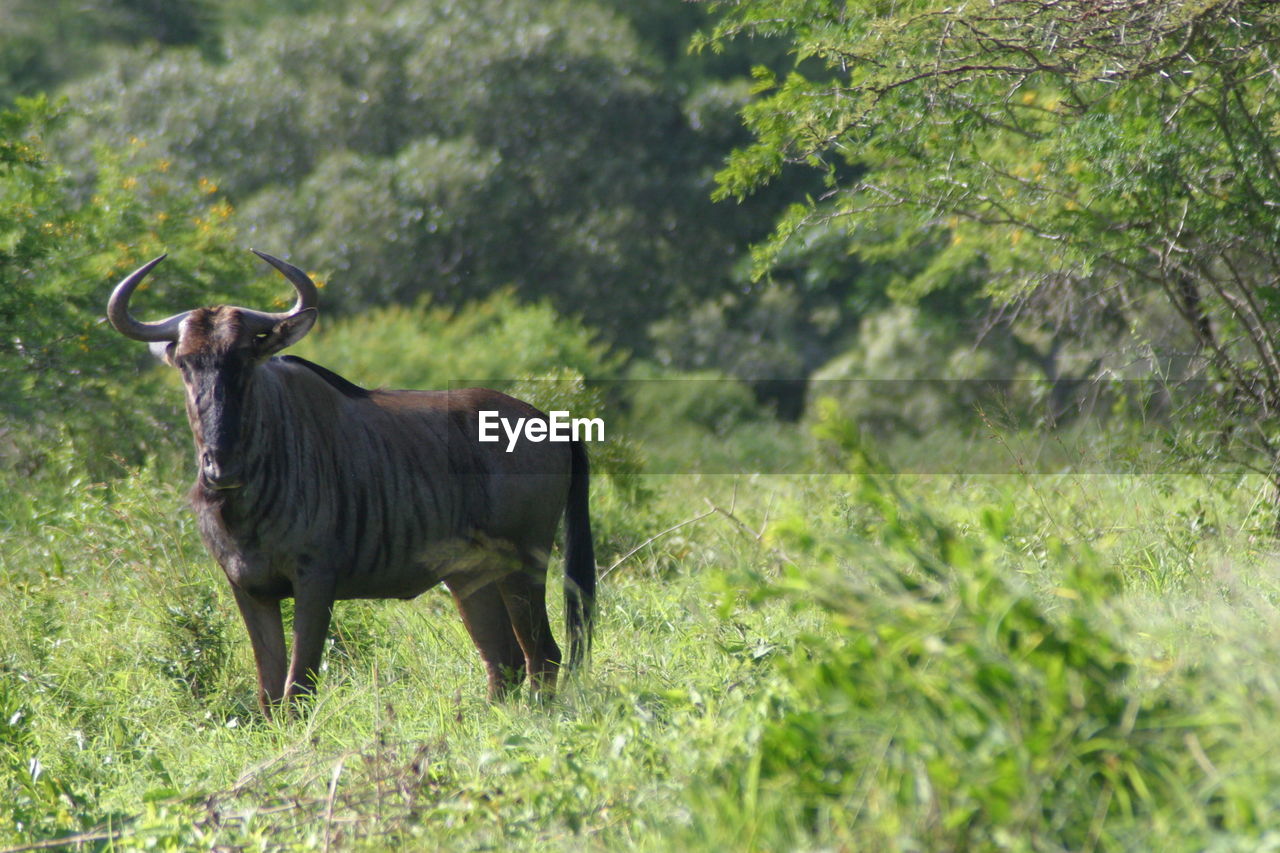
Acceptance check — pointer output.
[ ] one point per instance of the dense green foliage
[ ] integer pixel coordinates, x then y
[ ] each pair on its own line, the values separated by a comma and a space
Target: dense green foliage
430, 347
62, 371
447, 150
1090, 166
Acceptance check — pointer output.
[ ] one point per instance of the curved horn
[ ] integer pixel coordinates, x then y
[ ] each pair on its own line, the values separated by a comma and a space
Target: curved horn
308, 295
125, 324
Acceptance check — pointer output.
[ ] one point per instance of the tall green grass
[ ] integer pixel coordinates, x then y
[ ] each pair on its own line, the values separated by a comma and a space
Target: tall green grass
1036, 662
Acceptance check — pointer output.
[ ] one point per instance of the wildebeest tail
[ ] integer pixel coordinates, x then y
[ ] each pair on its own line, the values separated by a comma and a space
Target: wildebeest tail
579, 559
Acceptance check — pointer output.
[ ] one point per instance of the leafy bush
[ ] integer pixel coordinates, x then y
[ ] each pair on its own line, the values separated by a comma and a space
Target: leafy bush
65, 375
50, 41
756, 337
492, 341
197, 646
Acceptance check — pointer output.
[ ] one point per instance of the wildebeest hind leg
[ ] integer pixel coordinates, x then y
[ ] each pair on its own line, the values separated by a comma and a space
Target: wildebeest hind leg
485, 616
525, 593
266, 634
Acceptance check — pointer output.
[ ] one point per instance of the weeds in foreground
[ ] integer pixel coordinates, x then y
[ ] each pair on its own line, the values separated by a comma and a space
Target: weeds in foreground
905, 663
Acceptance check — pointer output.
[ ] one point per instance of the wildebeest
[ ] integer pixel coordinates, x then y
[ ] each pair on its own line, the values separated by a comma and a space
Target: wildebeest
314, 488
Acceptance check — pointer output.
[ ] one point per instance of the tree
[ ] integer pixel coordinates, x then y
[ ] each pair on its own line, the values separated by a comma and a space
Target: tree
1086, 156
448, 150
48, 42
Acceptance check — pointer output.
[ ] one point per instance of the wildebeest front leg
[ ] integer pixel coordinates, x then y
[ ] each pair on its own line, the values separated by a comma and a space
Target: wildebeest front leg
485, 616
312, 609
525, 594
266, 634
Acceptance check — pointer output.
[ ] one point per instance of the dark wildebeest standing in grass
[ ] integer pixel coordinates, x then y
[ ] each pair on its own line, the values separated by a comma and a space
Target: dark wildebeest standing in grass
312, 487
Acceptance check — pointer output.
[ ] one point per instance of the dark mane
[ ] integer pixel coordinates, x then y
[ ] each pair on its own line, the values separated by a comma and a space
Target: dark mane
345, 386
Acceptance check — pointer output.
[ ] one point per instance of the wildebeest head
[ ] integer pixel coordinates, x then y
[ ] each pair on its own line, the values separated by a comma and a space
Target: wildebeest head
216, 349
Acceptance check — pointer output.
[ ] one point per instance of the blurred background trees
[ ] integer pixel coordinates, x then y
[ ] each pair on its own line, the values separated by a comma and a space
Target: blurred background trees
564, 152
450, 150
1060, 193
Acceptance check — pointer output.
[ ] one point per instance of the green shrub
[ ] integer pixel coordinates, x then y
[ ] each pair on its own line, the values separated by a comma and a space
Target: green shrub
493, 341
662, 402
66, 377
952, 706
197, 645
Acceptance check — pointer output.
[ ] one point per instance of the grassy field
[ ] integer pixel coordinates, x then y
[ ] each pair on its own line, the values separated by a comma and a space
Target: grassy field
859, 661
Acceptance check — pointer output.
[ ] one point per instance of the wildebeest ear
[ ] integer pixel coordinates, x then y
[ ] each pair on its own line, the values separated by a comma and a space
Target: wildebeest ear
163, 350
287, 332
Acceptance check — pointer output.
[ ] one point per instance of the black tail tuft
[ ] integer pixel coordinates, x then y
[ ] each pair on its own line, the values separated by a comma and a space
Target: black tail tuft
579, 559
